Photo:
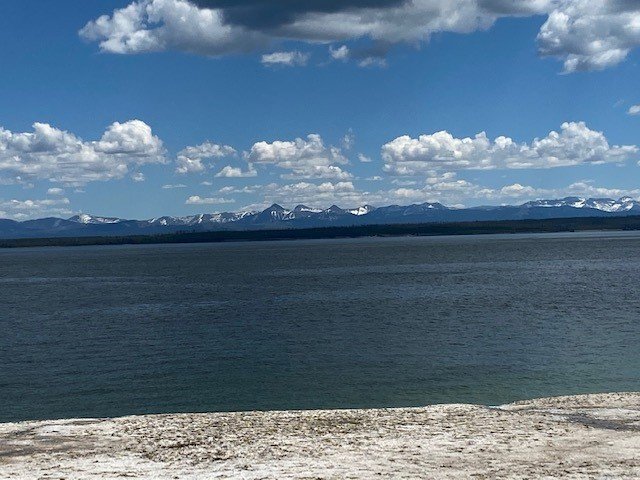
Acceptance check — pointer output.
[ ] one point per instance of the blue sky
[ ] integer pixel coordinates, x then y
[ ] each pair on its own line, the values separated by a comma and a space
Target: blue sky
118, 105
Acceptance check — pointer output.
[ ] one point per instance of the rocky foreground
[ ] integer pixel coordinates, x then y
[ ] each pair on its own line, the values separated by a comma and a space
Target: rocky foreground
590, 437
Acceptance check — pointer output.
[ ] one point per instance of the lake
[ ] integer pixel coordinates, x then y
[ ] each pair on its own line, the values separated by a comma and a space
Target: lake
373, 322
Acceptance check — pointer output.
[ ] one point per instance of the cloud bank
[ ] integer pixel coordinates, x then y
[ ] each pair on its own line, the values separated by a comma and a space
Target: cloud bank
60, 156
583, 34
575, 144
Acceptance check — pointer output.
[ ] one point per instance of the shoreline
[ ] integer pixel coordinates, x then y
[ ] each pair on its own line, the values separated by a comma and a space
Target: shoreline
582, 436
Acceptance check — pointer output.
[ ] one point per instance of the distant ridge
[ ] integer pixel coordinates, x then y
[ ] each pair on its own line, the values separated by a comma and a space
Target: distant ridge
278, 217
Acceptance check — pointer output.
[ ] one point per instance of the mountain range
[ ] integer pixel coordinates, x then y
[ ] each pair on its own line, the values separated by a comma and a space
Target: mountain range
278, 217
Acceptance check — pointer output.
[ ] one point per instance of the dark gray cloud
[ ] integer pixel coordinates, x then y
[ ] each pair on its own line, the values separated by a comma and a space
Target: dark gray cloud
512, 7
265, 14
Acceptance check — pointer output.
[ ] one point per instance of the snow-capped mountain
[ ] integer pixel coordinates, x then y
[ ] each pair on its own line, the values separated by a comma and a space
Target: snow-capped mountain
201, 219
302, 216
623, 204
93, 220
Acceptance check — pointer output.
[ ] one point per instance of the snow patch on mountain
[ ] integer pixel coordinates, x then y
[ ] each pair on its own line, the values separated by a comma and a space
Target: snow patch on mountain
93, 220
610, 205
364, 210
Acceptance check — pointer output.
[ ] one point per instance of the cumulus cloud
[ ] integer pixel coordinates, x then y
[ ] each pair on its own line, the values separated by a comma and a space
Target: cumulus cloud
634, 110
575, 144
518, 192
197, 200
583, 189
236, 172
285, 59
303, 158
346, 194
60, 156
590, 35
155, 25
27, 209
444, 188
588, 189
138, 177
190, 159
458, 191
55, 191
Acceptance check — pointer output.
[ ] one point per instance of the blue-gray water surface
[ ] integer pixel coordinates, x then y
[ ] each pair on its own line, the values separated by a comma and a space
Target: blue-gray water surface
109, 331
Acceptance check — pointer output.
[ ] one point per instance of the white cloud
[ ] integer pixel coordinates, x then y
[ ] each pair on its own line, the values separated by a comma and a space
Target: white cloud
55, 191
591, 35
575, 144
138, 177
364, 159
458, 191
346, 194
305, 159
285, 59
197, 200
450, 191
236, 172
372, 62
318, 171
348, 140
341, 53
404, 183
249, 189
155, 25
60, 156
587, 189
634, 110
190, 159
26, 209
517, 190
174, 186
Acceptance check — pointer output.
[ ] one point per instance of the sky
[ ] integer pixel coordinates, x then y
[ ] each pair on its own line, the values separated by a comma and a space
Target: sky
142, 108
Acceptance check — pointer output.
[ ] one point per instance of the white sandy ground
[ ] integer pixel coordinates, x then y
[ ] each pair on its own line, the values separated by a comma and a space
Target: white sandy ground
579, 437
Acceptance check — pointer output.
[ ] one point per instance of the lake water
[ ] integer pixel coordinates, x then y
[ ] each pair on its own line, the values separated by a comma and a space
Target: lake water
109, 331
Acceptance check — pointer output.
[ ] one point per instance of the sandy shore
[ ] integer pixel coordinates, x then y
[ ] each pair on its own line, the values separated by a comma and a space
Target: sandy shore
580, 437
